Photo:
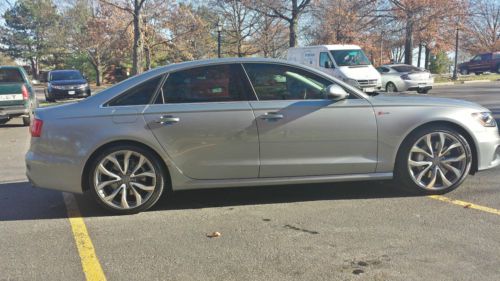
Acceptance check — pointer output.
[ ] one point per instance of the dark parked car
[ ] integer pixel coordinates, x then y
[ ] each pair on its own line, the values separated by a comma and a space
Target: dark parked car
17, 98
488, 62
63, 84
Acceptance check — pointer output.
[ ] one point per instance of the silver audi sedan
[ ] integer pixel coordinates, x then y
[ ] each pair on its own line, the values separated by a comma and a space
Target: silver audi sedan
404, 77
251, 122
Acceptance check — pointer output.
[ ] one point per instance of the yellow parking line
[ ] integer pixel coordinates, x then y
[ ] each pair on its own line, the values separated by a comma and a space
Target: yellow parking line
465, 204
91, 266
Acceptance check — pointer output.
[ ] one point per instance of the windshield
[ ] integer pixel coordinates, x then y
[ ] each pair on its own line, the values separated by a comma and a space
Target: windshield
350, 57
406, 68
65, 75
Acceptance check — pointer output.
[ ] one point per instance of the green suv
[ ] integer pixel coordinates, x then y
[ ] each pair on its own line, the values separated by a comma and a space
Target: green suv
17, 97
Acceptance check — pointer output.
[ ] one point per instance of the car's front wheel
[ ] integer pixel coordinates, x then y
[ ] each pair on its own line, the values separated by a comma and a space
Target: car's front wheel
433, 160
391, 88
126, 179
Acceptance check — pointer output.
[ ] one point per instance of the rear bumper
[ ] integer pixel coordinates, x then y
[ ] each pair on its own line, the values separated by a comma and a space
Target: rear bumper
12, 111
53, 172
414, 85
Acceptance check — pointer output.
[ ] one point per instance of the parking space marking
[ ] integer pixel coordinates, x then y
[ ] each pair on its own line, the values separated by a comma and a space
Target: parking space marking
465, 204
90, 263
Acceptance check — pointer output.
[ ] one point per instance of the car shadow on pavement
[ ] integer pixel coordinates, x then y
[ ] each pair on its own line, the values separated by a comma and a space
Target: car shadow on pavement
20, 201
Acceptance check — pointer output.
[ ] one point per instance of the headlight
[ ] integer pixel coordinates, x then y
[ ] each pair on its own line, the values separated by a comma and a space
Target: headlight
84, 85
485, 118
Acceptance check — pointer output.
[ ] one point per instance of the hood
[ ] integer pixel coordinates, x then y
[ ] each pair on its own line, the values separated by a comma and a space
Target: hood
360, 72
384, 100
68, 82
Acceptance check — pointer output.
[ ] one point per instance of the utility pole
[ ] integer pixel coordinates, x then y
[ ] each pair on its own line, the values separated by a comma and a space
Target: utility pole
219, 31
455, 74
381, 46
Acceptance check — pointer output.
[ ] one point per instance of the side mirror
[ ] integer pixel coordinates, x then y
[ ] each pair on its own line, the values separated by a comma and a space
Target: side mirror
335, 92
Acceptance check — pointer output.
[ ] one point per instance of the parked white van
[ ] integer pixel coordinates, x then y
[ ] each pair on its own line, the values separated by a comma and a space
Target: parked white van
345, 62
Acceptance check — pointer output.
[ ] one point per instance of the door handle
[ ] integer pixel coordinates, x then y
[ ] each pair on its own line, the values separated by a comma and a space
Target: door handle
272, 116
168, 119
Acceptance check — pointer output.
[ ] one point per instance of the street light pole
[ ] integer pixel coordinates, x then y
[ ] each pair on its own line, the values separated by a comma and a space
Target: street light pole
219, 30
455, 77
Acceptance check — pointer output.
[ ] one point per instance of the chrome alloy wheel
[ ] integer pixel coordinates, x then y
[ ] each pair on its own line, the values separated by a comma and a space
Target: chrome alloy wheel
437, 161
124, 179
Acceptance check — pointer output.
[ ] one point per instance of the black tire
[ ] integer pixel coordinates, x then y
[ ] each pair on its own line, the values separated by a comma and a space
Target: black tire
4, 121
464, 71
478, 73
162, 181
402, 171
423, 91
391, 88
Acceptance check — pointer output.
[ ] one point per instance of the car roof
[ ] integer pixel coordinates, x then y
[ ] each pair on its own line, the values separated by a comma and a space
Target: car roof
64, 70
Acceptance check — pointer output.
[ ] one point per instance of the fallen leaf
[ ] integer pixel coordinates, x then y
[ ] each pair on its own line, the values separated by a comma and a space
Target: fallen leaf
214, 234
468, 206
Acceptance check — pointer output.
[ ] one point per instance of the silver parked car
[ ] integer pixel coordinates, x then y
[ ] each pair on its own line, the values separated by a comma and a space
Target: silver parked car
404, 77
251, 122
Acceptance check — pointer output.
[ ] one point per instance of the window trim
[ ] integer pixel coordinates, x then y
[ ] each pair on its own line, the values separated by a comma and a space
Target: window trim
316, 72
107, 103
243, 77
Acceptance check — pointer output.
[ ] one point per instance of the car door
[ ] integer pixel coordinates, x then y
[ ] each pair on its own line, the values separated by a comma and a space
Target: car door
304, 134
204, 122
475, 64
485, 62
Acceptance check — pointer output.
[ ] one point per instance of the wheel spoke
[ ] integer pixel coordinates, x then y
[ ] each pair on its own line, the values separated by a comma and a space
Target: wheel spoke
443, 177
422, 174
112, 159
449, 167
417, 149
110, 197
419, 163
442, 140
124, 202
145, 174
431, 184
141, 162
428, 141
108, 173
143, 187
126, 161
106, 183
451, 147
454, 159
138, 197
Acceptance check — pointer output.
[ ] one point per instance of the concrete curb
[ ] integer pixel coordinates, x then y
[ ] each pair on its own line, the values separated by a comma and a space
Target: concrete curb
463, 82
477, 81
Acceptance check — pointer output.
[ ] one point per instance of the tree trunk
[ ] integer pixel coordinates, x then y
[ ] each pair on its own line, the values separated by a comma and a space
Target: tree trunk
427, 57
409, 39
147, 54
419, 54
136, 56
34, 68
293, 24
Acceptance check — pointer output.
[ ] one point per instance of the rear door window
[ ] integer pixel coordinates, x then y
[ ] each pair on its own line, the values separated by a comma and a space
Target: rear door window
138, 95
217, 83
11, 75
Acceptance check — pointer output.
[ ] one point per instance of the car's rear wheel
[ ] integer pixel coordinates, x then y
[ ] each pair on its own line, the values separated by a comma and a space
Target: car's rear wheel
126, 179
433, 160
391, 88
422, 91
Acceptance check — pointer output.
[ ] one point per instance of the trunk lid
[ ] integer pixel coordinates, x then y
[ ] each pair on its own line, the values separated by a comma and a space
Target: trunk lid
11, 94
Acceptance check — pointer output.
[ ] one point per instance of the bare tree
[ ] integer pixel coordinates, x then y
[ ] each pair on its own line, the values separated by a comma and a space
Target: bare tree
482, 33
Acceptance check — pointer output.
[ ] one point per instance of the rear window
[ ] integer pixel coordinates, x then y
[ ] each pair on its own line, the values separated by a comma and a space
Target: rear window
406, 68
11, 76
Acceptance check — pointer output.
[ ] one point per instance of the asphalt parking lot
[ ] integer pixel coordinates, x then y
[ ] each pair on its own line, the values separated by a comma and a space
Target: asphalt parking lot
348, 231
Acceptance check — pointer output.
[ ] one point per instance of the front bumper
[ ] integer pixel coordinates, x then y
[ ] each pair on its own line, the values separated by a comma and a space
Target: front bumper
12, 111
64, 94
488, 149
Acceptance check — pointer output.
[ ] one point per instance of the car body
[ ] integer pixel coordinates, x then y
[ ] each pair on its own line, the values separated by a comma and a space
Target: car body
404, 77
17, 97
249, 122
345, 62
64, 84
486, 62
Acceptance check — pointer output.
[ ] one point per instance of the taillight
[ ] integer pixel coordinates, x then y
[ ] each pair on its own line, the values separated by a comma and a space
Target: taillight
405, 77
36, 128
25, 93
